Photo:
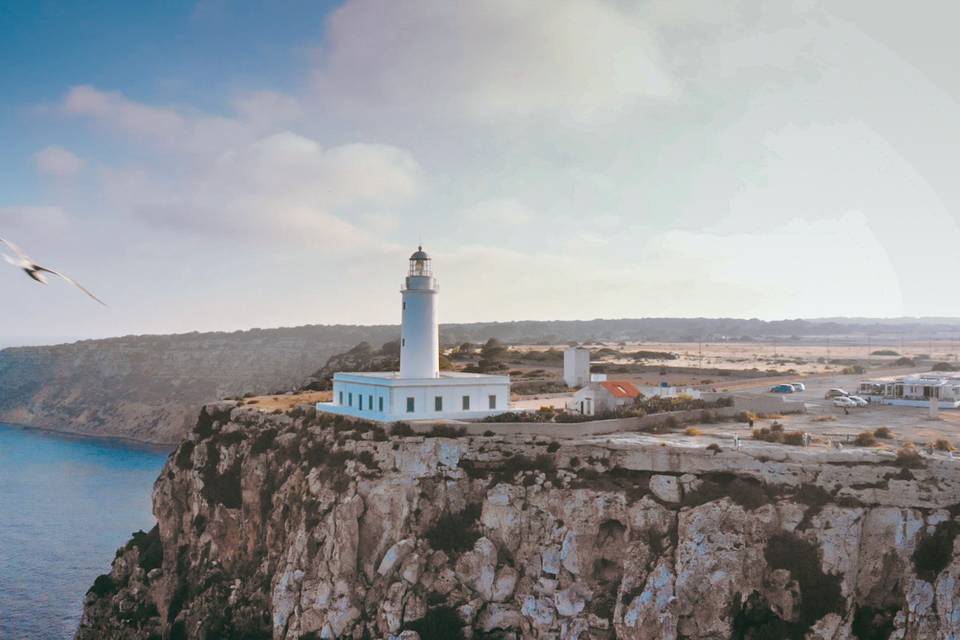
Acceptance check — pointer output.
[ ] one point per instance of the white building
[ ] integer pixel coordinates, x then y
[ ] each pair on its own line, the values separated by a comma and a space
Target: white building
608, 395
576, 367
915, 390
419, 391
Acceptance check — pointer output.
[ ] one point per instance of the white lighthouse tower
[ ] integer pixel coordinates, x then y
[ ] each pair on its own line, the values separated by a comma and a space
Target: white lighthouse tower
419, 324
419, 391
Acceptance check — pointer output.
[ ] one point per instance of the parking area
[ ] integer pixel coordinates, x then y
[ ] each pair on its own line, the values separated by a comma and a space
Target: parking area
830, 423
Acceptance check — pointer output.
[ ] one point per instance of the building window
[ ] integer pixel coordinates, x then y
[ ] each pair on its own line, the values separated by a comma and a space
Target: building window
410, 405
493, 402
370, 403
340, 401
403, 342
350, 399
466, 403
380, 403
438, 403
359, 402
404, 305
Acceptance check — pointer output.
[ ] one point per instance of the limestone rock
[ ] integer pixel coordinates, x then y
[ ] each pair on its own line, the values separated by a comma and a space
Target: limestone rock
343, 535
666, 488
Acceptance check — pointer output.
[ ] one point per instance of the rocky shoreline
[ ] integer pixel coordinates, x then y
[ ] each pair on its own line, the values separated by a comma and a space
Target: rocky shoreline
302, 526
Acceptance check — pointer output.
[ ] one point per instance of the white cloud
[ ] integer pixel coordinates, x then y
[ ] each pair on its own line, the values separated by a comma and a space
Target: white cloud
583, 59
284, 185
165, 127
57, 161
500, 212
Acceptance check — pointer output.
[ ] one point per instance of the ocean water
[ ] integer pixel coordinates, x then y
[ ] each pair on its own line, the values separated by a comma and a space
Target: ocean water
66, 505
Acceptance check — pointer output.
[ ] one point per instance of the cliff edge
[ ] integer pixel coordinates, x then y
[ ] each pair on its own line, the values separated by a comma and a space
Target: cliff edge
303, 526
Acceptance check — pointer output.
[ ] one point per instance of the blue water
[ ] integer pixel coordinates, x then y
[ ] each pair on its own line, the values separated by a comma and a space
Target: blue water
66, 505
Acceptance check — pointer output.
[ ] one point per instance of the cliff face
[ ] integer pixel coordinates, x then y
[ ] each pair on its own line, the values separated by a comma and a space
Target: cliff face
299, 527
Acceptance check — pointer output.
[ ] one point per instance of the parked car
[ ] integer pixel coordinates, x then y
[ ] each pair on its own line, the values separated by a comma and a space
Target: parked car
798, 386
782, 388
843, 401
836, 393
861, 402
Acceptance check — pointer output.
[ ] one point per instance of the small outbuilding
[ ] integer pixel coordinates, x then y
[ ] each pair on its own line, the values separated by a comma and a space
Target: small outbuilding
603, 396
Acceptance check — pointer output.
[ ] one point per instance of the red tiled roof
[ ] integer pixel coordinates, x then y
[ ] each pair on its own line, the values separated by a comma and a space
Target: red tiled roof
621, 388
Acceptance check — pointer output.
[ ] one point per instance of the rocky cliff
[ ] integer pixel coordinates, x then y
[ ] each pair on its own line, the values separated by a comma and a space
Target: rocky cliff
296, 527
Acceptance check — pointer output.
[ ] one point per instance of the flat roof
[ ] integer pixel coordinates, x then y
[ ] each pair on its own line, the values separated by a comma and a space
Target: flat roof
393, 378
930, 378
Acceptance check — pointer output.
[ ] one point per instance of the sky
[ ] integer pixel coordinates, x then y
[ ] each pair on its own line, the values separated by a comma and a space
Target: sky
222, 165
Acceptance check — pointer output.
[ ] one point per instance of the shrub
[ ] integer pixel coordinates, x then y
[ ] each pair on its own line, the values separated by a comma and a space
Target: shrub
714, 447
909, 458
747, 493
183, 458
150, 548
263, 441
446, 431
518, 416
933, 553
776, 426
745, 417
366, 459
865, 439
442, 623
944, 366
693, 431
553, 447
565, 417
883, 433
104, 585
942, 444
820, 593
708, 417
488, 434
793, 438
401, 429
884, 352
454, 533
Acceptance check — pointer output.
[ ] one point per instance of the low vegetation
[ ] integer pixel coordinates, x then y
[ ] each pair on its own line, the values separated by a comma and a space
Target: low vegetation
909, 458
942, 444
865, 439
455, 533
776, 433
934, 552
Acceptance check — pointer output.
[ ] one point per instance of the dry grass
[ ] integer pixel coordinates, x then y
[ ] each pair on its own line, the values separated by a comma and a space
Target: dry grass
824, 419
287, 402
942, 444
693, 431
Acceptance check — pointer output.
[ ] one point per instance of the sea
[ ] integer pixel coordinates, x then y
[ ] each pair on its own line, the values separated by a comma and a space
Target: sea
66, 505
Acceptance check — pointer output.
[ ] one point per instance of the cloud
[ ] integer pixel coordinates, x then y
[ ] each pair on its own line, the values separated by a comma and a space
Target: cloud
57, 161
284, 185
580, 59
165, 127
500, 212
33, 218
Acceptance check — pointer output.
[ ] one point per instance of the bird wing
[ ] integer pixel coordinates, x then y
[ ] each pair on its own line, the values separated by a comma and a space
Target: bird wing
17, 250
71, 281
12, 261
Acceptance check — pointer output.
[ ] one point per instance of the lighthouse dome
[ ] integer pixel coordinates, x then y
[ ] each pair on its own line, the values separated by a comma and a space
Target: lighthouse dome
419, 255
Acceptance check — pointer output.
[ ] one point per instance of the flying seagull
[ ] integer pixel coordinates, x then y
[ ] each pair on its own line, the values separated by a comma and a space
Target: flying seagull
36, 271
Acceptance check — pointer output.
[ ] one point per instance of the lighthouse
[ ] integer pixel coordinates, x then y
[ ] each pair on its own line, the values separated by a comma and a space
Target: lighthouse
419, 390
419, 322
